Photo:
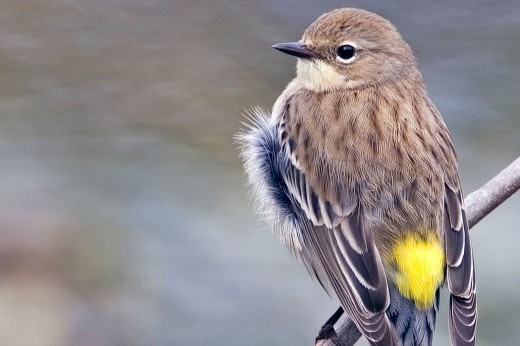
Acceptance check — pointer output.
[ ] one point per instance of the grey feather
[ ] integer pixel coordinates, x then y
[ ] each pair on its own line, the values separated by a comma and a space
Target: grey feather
460, 271
365, 306
413, 326
346, 257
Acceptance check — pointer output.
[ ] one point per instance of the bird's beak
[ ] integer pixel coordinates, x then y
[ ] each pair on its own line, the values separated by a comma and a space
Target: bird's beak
297, 49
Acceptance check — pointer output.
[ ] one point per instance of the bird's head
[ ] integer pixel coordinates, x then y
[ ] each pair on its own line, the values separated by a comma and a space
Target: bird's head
349, 48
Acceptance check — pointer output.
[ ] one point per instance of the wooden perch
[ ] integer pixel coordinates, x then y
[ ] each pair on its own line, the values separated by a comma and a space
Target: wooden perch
478, 204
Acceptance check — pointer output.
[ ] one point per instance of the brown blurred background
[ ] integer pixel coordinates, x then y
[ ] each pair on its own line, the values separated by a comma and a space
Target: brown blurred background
124, 219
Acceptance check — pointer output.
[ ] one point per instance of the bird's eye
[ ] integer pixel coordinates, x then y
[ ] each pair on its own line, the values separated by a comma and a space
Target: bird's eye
346, 52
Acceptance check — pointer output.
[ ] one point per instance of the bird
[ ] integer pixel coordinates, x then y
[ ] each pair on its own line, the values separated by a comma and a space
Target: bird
356, 171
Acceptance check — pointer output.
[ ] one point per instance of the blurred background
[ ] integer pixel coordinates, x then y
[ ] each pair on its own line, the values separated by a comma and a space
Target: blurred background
124, 219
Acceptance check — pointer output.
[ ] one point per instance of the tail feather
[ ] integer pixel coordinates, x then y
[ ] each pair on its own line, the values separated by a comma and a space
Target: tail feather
413, 326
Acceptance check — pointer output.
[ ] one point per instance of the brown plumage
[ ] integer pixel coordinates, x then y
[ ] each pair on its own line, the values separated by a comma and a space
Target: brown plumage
355, 164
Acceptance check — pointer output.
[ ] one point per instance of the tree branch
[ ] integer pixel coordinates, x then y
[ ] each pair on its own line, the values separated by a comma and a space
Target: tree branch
478, 205
481, 202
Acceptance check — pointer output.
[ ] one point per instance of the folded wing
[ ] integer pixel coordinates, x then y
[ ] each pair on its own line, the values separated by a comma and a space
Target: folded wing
460, 273
341, 252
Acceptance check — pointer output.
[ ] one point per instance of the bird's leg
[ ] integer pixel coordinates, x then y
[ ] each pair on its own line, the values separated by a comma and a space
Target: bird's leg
327, 331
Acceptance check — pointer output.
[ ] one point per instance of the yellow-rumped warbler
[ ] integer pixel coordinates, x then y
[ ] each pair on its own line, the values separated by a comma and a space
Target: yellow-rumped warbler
356, 170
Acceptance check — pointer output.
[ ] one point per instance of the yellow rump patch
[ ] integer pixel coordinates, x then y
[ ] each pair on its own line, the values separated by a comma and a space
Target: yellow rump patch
419, 263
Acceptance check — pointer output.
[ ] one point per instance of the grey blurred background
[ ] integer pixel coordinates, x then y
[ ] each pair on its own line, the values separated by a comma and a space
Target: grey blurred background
124, 219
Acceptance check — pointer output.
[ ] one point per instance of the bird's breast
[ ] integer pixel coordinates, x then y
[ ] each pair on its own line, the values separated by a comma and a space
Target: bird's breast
375, 148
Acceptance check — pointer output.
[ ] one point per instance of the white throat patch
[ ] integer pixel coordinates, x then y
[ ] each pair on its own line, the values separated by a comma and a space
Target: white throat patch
317, 75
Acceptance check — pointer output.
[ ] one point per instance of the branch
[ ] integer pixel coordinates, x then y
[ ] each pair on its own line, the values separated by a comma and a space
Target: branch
478, 205
481, 202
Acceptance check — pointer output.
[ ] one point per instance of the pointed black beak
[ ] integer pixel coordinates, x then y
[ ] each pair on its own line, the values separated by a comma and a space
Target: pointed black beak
297, 49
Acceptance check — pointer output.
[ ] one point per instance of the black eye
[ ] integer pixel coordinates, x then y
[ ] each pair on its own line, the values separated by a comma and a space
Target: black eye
346, 52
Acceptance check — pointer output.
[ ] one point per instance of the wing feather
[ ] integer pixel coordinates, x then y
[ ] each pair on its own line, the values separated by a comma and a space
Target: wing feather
362, 271
460, 270
343, 248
